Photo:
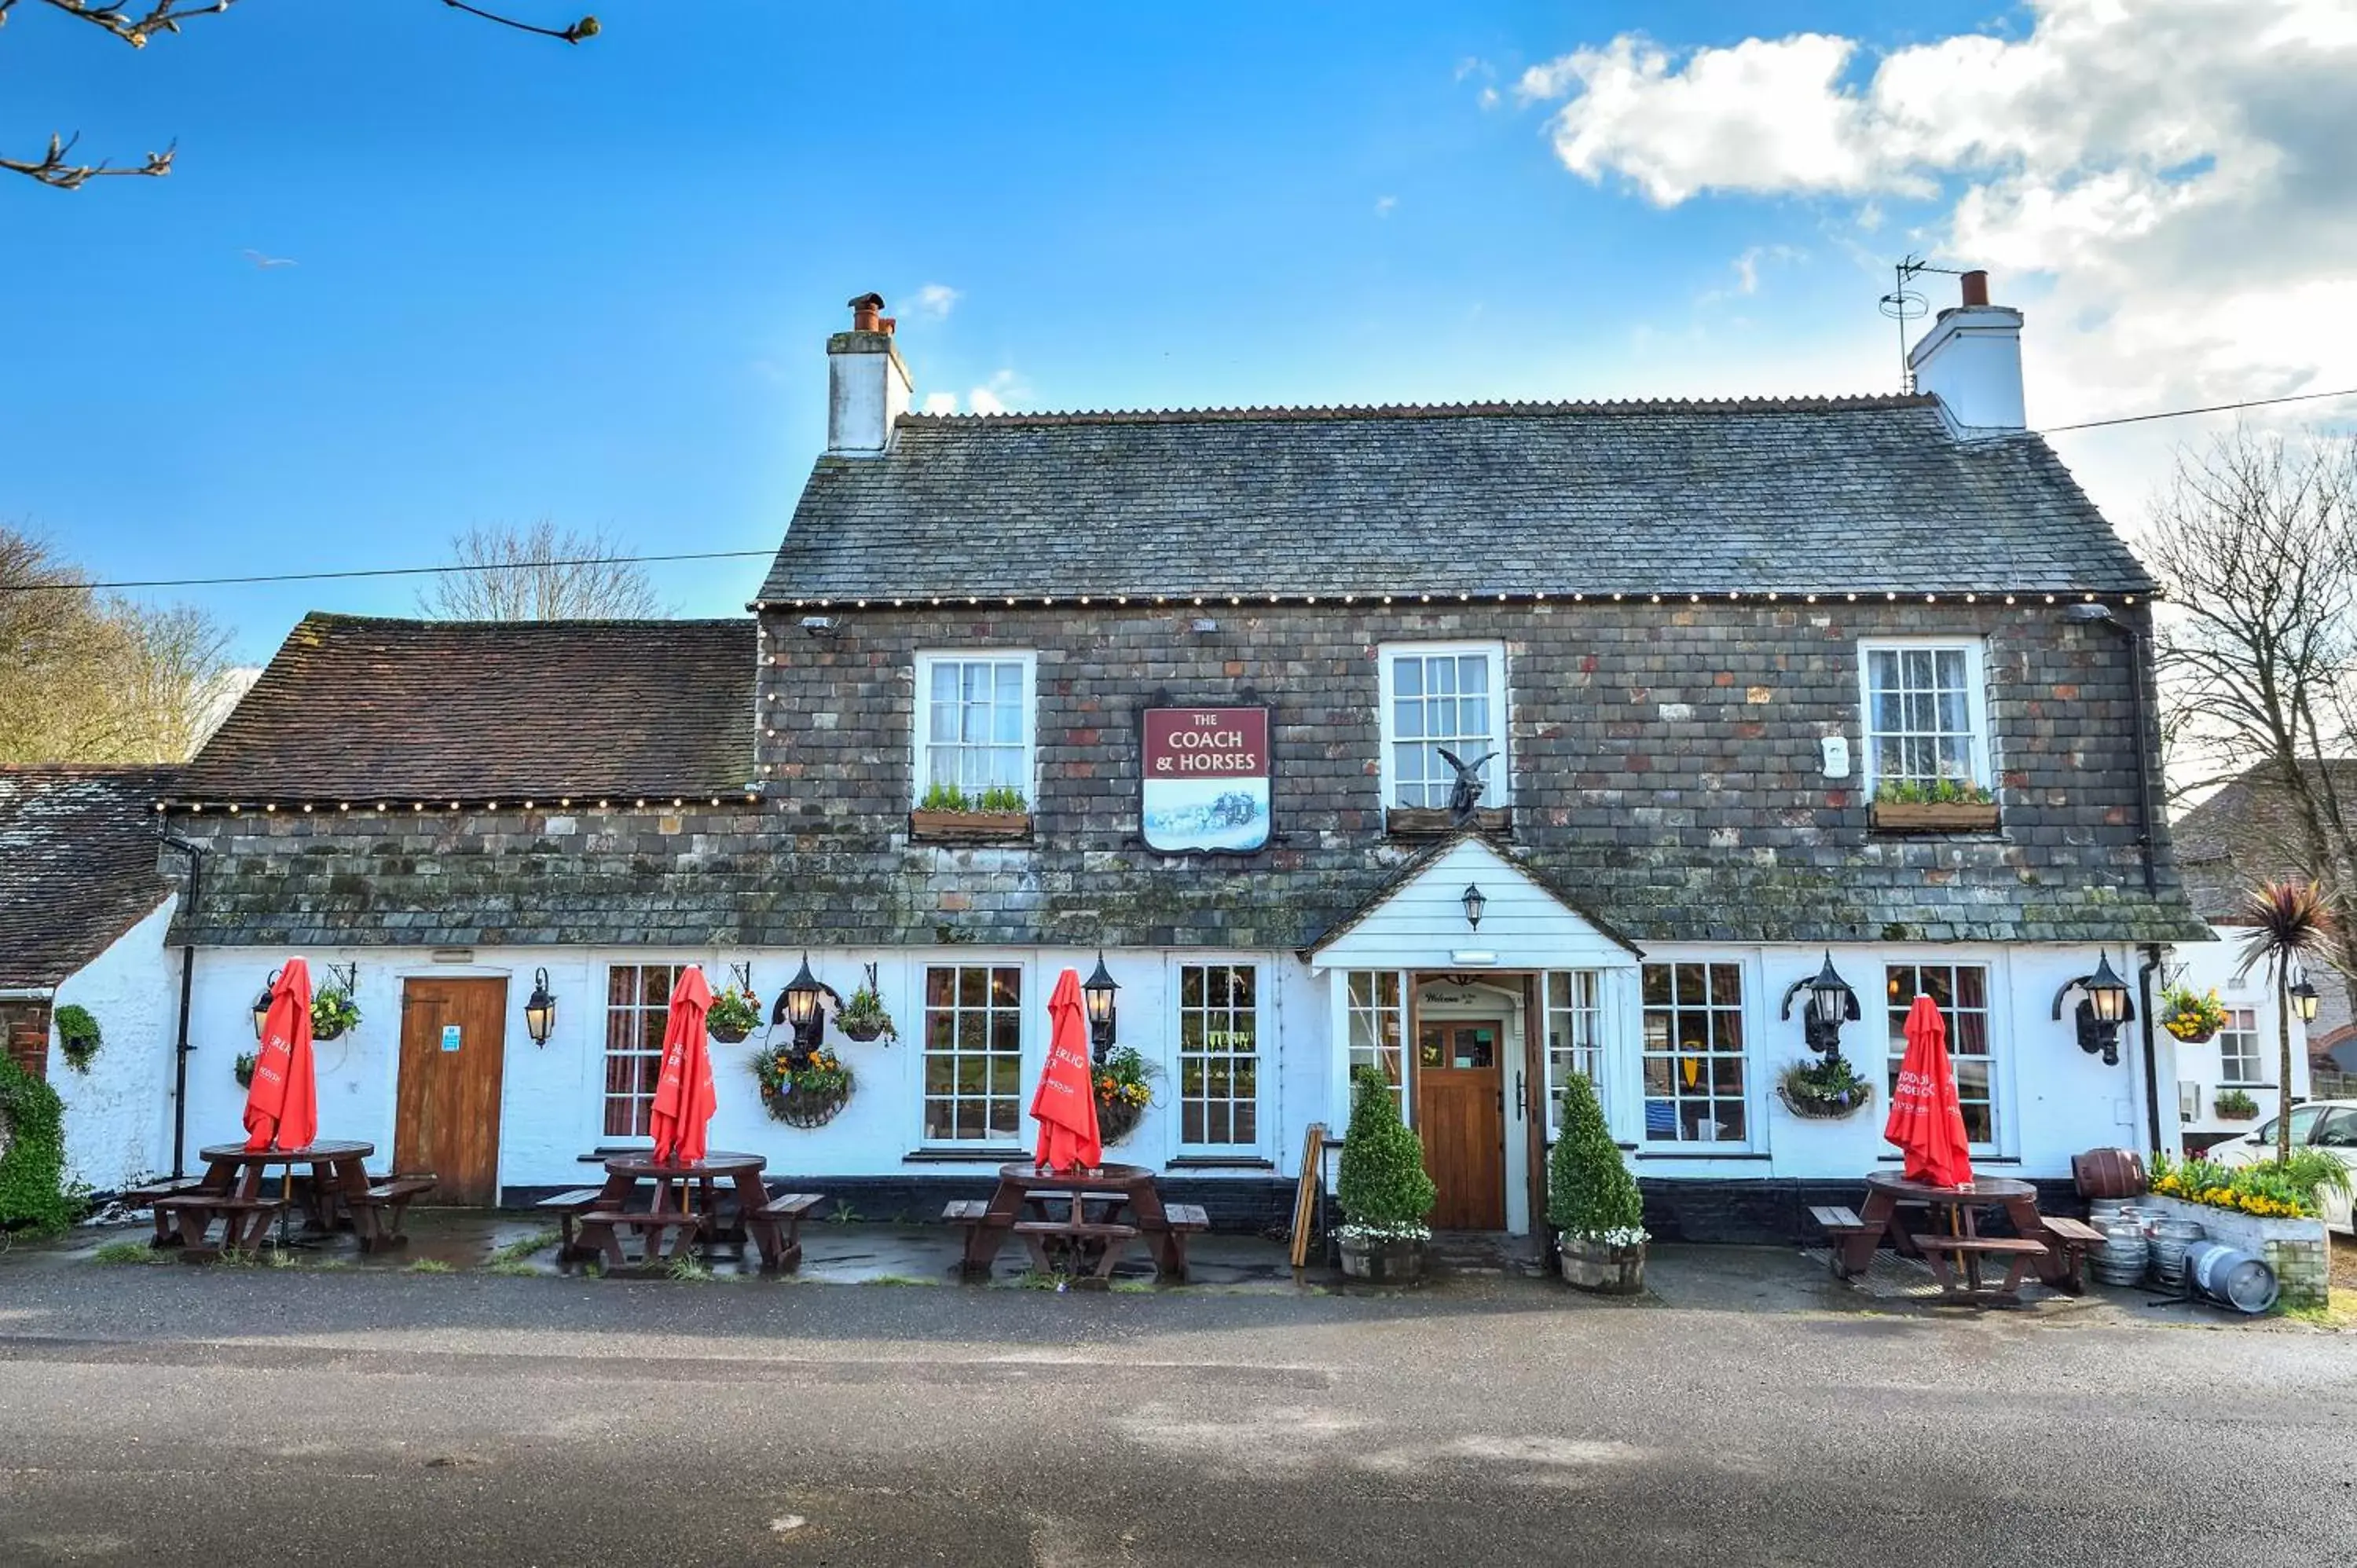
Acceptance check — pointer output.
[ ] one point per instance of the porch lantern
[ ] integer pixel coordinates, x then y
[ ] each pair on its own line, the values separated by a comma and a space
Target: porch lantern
800, 1005
1097, 993
1474, 904
262, 1004
1831, 1004
2305, 1000
540, 1013
2102, 1008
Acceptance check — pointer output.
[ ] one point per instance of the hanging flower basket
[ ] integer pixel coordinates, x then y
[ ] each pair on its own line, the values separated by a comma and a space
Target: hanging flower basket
1826, 1090
1125, 1087
244, 1070
802, 1091
334, 1014
1824, 1109
1117, 1121
863, 1018
2191, 1016
736, 1013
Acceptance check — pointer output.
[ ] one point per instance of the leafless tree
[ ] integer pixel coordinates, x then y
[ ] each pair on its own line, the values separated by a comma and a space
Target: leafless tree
125, 20
85, 677
2257, 540
540, 574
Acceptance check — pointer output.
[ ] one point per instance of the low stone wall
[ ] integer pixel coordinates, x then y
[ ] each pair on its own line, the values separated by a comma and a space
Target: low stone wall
2298, 1250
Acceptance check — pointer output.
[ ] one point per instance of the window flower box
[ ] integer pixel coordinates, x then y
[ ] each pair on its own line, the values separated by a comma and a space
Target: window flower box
1439, 821
969, 827
1933, 816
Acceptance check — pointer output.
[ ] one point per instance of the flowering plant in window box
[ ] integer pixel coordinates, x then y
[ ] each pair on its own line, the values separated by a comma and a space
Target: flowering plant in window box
736, 1013
2193, 1017
1593, 1200
1124, 1085
1826, 1089
2233, 1105
996, 815
1932, 806
334, 1014
1383, 1189
803, 1089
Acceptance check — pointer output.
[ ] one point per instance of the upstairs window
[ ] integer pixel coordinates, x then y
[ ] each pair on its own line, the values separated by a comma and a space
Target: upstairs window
974, 725
2238, 1047
1925, 718
1438, 696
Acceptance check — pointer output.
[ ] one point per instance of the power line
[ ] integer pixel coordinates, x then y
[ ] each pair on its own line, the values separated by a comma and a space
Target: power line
753, 554
2213, 408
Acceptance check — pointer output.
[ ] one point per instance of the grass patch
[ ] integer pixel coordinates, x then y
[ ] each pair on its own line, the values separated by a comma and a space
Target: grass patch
1134, 1287
844, 1214
431, 1266
523, 1247
329, 1266
1032, 1279
899, 1280
689, 1271
281, 1259
231, 1258
2340, 1312
512, 1268
124, 1252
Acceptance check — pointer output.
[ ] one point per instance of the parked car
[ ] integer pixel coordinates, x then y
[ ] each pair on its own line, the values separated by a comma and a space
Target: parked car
2326, 1124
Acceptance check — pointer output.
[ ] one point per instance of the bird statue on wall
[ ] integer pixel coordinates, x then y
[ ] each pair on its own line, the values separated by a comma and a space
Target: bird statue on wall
1466, 793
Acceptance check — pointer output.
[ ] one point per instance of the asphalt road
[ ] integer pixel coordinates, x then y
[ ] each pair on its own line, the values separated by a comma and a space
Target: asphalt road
172, 1416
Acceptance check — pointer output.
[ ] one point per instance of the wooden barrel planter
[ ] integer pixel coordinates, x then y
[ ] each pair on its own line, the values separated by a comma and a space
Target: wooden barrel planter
806, 1108
2108, 1173
1118, 1119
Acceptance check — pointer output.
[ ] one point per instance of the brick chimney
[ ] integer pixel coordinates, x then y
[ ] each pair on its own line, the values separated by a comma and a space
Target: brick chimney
867, 387
1971, 360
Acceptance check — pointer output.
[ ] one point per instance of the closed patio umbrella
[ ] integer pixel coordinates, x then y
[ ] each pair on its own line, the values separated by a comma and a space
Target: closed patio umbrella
684, 1097
281, 1103
1927, 1121
1065, 1105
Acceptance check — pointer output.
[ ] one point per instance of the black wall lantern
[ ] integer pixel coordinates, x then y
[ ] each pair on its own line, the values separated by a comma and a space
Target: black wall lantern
2305, 1000
1474, 904
1097, 993
262, 1004
540, 1013
1832, 1004
2104, 1007
798, 1008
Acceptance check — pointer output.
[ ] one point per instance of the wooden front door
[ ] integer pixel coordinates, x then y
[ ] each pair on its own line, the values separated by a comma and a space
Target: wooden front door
1460, 1114
453, 1047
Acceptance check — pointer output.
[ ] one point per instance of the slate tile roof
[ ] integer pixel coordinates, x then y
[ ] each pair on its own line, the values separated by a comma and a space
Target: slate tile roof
354, 708
2249, 832
78, 864
1793, 495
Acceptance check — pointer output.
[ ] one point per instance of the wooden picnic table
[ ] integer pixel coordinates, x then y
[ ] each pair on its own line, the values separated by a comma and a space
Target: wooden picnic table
1952, 1233
339, 1191
1094, 1215
688, 1205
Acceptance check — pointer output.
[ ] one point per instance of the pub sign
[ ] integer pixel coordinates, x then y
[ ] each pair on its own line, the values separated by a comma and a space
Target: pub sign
1205, 780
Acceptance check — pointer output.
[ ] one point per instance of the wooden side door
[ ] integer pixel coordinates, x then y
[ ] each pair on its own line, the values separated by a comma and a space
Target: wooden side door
447, 1109
1460, 1116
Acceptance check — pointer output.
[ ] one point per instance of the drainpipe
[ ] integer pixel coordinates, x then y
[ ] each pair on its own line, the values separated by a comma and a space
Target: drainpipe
2145, 972
188, 984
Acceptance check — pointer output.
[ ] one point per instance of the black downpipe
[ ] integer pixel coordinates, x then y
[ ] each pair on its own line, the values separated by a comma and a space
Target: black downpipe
2145, 972
187, 985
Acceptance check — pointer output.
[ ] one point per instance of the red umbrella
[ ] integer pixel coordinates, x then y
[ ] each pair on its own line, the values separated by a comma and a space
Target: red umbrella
1065, 1103
1926, 1120
684, 1097
281, 1103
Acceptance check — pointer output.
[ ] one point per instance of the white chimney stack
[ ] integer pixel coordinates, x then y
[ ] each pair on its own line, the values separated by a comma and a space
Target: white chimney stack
1971, 360
866, 385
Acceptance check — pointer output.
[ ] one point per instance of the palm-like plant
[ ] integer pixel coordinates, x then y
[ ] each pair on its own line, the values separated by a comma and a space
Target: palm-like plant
2291, 922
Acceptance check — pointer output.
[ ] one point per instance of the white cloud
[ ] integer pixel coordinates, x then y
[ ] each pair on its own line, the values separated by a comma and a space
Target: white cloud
997, 396
1486, 98
940, 403
934, 299
2166, 186
1383, 205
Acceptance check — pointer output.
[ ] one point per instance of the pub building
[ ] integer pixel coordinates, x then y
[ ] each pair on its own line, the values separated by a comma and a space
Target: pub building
1671, 743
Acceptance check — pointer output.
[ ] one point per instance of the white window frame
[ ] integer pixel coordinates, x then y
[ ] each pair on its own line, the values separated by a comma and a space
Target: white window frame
1976, 699
921, 771
1500, 771
2256, 1056
1260, 1013
1373, 1013
1744, 1014
1025, 1073
1992, 1016
646, 1018
1596, 1013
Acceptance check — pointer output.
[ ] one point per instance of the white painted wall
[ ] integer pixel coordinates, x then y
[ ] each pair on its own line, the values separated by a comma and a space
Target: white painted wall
1423, 924
2219, 964
118, 1114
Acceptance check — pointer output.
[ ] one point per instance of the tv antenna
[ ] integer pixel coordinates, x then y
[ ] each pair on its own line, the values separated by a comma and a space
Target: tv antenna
1904, 305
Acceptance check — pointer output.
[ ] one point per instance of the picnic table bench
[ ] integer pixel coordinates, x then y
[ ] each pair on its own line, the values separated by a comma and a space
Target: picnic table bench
1087, 1219
686, 1209
1961, 1247
338, 1189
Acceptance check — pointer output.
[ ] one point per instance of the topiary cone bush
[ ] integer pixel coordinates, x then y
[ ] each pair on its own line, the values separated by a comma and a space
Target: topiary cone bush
1383, 1189
1590, 1193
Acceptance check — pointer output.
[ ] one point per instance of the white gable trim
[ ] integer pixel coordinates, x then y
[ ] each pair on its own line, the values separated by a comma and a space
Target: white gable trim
1421, 923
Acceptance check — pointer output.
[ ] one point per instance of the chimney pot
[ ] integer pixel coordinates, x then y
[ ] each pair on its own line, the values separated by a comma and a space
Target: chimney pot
865, 312
1975, 287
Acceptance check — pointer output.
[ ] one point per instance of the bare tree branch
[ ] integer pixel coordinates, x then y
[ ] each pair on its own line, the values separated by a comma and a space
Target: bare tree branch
117, 19
538, 574
586, 27
55, 169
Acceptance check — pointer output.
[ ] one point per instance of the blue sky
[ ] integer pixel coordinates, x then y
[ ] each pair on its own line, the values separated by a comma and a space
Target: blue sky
594, 283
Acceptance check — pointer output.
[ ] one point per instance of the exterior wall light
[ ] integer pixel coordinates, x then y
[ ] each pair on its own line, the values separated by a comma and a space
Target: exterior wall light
1831, 1004
262, 1004
540, 1013
1474, 904
2104, 1007
1097, 993
2305, 1001
798, 1008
